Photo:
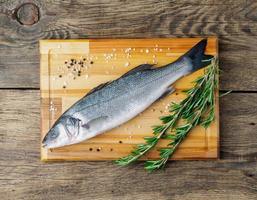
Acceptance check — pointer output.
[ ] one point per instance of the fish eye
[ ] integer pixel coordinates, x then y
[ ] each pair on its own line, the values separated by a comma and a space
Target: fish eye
54, 134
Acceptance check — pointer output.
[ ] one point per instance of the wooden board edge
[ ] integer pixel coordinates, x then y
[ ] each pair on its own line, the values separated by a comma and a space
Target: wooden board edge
218, 105
46, 160
43, 153
56, 41
124, 38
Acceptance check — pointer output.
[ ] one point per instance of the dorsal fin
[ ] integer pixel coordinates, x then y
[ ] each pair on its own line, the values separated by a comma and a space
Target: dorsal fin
138, 68
98, 87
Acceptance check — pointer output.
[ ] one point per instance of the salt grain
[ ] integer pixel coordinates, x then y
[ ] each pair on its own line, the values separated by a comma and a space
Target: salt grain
127, 50
126, 64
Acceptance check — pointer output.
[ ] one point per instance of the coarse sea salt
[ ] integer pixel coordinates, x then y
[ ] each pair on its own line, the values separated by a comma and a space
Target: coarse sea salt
126, 64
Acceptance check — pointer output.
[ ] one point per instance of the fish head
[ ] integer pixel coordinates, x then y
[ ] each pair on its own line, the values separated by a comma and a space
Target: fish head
64, 132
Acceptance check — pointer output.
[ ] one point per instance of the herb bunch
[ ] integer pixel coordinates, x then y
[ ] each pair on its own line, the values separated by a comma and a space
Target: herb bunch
198, 108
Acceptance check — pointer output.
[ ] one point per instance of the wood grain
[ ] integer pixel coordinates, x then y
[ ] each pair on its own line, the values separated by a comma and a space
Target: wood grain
109, 57
23, 176
234, 23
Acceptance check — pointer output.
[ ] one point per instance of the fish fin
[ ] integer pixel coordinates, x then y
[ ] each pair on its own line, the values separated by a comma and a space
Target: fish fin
98, 88
137, 69
166, 93
94, 121
207, 59
197, 56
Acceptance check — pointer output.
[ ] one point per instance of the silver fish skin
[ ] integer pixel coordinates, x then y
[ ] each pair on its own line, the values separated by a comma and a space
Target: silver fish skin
114, 103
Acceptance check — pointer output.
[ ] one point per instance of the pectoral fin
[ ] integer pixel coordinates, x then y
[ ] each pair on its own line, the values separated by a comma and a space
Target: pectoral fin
94, 121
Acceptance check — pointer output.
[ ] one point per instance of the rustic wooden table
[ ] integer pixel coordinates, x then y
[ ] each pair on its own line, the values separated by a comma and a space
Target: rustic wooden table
24, 22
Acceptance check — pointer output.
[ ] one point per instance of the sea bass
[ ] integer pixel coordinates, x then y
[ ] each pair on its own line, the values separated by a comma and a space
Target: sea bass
114, 103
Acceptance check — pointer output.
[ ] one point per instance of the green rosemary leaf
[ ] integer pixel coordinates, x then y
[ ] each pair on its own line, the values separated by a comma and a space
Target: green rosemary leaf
166, 119
225, 93
169, 136
165, 152
189, 91
209, 119
158, 129
174, 106
198, 80
150, 140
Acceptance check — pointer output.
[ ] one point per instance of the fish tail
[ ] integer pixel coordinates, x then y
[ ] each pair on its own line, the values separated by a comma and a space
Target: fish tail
197, 56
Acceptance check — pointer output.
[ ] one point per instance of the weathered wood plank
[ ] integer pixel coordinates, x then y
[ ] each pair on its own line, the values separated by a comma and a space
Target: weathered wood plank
184, 180
234, 23
19, 125
23, 176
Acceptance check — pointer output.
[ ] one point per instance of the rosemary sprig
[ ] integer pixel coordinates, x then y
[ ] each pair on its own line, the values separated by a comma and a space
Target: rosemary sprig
158, 131
197, 108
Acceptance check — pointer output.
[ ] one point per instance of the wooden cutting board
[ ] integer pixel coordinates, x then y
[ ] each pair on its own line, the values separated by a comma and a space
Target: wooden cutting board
70, 68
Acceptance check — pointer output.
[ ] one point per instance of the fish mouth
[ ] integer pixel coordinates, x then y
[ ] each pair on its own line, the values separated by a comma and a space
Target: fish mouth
45, 142
44, 145
48, 144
